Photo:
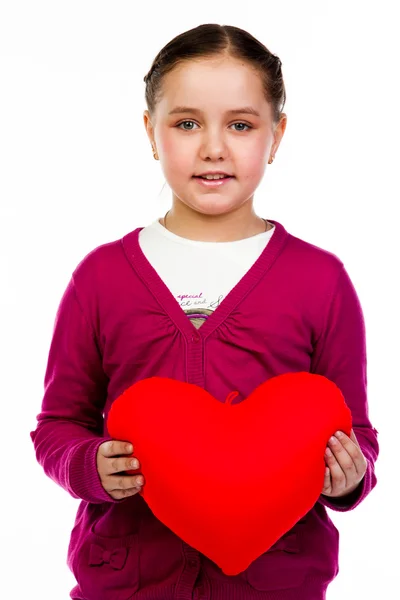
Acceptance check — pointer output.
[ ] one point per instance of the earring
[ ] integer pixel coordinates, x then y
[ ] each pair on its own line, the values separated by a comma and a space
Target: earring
271, 160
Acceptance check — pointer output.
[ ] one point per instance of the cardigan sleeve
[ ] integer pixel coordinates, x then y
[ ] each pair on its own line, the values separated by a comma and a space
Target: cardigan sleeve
340, 355
69, 427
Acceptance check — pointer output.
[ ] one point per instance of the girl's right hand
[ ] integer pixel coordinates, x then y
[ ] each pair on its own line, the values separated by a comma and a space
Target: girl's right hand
111, 466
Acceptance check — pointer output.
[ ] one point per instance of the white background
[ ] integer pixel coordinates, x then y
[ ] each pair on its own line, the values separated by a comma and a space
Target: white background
77, 171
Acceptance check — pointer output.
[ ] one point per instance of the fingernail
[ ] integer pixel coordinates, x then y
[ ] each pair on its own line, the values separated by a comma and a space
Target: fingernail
333, 440
129, 448
328, 452
139, 480
134, 463
339, 433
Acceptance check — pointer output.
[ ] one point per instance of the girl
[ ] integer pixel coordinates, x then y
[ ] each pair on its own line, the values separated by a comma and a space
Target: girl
213, 295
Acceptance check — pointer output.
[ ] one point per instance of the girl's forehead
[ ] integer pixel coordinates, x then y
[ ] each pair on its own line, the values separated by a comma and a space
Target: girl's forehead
217, 67
227, 85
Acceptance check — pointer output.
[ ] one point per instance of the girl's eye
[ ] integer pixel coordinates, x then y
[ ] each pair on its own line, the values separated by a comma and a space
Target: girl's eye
248, 126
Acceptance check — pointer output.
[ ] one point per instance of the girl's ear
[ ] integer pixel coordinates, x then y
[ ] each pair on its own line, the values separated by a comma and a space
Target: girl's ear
278, 133
147, 123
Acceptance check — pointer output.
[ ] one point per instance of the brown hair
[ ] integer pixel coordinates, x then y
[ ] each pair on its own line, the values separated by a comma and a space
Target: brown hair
212, 40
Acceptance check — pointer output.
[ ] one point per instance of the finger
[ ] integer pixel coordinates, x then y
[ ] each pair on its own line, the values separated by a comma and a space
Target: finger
327, 481
120, 464
353, 438
124, 482
338, 477
354, 451
345, 438
115, 448
342, 456
120, 494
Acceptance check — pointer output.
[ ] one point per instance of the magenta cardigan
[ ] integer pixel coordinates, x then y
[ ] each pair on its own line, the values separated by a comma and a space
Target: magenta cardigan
294, 310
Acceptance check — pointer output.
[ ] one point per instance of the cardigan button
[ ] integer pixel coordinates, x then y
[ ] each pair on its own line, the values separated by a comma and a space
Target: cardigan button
195, 338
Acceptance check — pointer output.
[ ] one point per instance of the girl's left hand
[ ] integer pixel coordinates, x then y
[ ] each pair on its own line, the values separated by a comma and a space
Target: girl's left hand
346, 465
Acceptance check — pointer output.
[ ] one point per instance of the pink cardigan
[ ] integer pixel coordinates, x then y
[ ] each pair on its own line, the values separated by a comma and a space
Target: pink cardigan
294, 310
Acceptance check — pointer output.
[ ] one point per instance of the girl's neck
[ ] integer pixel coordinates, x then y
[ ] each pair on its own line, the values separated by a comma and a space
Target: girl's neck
207, 230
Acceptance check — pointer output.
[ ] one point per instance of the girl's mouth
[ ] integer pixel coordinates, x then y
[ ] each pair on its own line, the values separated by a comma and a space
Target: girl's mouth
213, 182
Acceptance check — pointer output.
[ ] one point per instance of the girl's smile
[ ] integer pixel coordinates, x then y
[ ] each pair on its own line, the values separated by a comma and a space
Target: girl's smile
213, 183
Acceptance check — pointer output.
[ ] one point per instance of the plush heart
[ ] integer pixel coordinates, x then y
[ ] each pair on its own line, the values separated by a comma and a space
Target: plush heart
231, 479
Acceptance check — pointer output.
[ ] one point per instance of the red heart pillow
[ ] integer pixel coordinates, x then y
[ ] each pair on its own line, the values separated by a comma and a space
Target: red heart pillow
231, 479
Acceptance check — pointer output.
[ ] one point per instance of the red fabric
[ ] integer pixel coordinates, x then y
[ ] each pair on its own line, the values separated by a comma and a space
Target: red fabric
231, 479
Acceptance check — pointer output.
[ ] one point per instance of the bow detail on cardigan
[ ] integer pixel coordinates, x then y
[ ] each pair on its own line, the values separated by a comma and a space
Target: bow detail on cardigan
116, 558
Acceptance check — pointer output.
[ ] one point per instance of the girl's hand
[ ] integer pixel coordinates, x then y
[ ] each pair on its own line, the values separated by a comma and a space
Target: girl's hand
346, 465
111, 466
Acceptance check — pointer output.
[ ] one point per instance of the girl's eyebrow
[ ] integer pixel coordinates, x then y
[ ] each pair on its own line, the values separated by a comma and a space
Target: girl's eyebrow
249, 110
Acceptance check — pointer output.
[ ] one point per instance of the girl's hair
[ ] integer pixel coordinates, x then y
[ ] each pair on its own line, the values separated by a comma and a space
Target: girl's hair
213, 40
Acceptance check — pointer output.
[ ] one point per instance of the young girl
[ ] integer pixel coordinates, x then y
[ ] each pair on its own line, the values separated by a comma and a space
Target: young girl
213, 295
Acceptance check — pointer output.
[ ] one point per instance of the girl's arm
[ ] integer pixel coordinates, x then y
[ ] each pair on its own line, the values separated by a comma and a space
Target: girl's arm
70, 425
340, 355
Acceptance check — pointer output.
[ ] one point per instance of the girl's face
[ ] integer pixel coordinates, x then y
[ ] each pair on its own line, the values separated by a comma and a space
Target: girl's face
208, 136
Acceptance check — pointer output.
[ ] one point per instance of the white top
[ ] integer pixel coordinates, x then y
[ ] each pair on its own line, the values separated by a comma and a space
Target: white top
199, 274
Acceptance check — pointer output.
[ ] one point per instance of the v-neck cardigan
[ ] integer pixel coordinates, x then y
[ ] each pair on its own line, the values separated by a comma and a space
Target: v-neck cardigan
295, 309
